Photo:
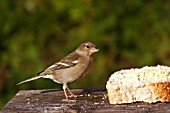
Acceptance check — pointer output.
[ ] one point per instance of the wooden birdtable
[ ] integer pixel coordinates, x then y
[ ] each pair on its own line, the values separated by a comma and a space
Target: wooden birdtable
88, 100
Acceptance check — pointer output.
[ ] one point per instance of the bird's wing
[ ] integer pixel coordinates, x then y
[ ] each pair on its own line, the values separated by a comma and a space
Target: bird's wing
61, 65
69, 61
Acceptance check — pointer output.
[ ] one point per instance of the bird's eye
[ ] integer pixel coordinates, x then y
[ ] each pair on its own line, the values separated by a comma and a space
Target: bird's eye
87, 46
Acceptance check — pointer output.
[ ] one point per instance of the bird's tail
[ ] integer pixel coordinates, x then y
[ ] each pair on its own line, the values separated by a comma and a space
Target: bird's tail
33, 78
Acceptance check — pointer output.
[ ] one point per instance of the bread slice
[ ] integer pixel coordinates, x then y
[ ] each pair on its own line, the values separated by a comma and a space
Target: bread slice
148, 84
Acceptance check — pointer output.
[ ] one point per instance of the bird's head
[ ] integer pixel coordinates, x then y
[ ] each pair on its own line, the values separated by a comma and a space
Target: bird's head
87, 49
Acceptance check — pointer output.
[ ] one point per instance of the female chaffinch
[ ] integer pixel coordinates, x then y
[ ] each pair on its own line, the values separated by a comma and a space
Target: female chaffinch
71, 68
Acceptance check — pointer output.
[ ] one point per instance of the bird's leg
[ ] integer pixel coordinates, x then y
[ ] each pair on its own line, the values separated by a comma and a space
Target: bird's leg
64, 88
72, 95
67, 100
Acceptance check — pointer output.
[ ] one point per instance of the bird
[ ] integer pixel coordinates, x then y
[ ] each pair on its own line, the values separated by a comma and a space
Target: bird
71, 68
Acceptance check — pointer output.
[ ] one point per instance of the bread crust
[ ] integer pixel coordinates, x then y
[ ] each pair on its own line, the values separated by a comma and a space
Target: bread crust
150, 93
162, 91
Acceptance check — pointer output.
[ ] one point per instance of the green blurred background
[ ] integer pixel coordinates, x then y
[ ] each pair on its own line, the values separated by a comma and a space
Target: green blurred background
36, 33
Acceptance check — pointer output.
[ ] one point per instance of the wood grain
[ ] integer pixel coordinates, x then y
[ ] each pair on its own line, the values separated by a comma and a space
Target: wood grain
88, 100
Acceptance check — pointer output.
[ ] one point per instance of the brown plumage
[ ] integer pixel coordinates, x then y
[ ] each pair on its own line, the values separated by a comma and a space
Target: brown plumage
71, 68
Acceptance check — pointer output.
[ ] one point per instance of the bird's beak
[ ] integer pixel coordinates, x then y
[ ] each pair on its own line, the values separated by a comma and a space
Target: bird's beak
94, 50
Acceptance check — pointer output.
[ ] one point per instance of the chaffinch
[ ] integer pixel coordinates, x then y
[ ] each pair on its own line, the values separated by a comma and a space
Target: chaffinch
71, 68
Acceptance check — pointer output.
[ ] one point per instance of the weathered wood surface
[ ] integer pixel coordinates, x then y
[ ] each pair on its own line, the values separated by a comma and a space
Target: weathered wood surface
88, 100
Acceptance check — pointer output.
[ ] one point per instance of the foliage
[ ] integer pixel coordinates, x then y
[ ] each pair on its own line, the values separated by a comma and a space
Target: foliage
36, 33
